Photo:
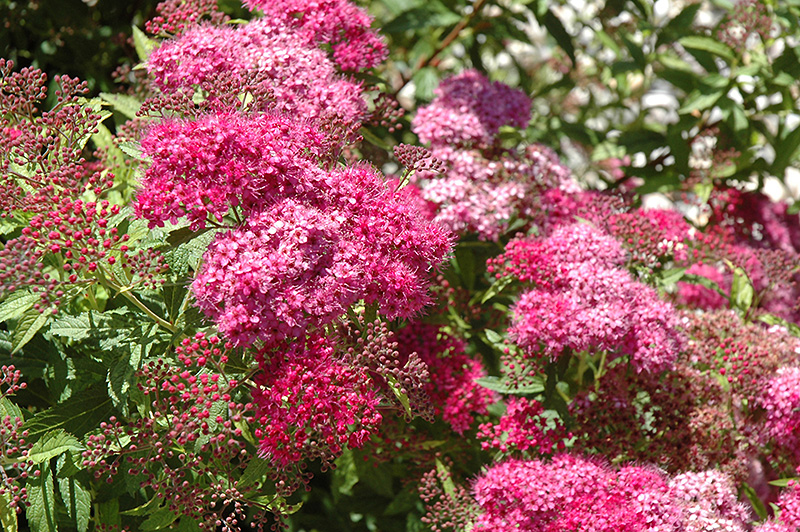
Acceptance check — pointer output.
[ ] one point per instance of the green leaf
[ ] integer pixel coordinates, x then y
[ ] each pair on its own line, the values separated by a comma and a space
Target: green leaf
700, 101
405, 501
161, 518
425, 80
345, 476
493, 337
29, 324
755, 501
121, 375
77, 415
783, 482
496, 288
401, 396
503, 385
132, 149
785, 152
446, 478
742, 291
559, 33
78, 501
17, 304
144, 44
465, 261
8, 515
107, 513
669, 278
145, 509
771, 319
53, 444
254, 472
41, 513
707, 44
73, 327
432, 14
124, 103
186, 257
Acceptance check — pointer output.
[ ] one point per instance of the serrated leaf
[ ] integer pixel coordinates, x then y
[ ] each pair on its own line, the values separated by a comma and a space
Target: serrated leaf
401, 396
144, 45
41, 513
107, 513
161, 518
496, 288
124, 103
17, 304
345, 476
28, 325
73, 327
132, 149
186, 257
8, 515
707, 44
53, 444
77, 415
502, 385
256, 469
78, 501
121, 375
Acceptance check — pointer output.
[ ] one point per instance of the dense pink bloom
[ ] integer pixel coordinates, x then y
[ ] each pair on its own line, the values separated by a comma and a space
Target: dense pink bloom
698, 296
275, 65
452, 388
312, 403
483, 195
339, 23
575, 494
524, 426
469, 110
780, 399
304, 260
203, 167
587, 304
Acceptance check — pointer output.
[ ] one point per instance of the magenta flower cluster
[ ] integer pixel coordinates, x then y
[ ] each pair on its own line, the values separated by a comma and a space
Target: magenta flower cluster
573, 493
584, 302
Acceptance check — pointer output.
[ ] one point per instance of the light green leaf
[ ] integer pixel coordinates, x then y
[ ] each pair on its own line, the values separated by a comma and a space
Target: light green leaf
144, 44
78, 501
17, 304
707, 44
8, 515
493, 337
496, 288
124, 103
132, 149
742, 291
41, 513
73, 327
29, 324
667, 279
401, 396
53, 444
503, 385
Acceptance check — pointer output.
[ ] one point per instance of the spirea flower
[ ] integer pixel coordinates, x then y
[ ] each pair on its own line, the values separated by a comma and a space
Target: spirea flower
452, 388
201, 168
300, 264
524, 426
469, 110
780, 399
311, 403
584, 303
338, 23
277, 67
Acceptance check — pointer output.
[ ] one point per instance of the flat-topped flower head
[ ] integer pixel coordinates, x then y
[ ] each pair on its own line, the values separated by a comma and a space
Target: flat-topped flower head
469, 110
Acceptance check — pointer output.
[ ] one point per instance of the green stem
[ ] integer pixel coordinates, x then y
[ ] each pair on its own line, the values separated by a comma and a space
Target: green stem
137, 303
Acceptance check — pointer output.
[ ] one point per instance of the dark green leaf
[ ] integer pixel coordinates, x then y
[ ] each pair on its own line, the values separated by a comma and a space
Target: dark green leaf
707, 44
161, 518
79, 414
559, 33
345, 476
254, 472
432, 14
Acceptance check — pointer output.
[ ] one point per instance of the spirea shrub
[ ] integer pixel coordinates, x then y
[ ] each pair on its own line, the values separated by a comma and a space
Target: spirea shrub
307, 274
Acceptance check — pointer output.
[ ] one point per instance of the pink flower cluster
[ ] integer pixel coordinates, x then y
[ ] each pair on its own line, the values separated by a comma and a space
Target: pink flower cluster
338, 23
453, 389
311, 403
202, 168
780, 400
572, 493
583, 301
698, 296
300, 264
524, 427
263, 61
469, 110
